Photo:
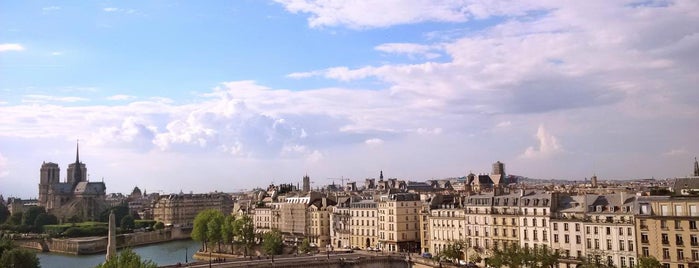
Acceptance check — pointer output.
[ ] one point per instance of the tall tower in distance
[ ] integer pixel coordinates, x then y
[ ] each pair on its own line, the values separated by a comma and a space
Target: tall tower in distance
306, 184
696, 167
78, 174
50, 174
498, 168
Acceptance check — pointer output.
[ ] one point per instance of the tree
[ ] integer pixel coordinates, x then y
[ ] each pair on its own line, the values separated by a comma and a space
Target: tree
15, 218
453, 251
19, 258
127, 222
4, 213
127, 258
227, 231
305, 246
244, 232
6, 245
648, 262
158, 225
515, 256
44, 219
200, 231
213, 229
120, 211
272, 242
30, 215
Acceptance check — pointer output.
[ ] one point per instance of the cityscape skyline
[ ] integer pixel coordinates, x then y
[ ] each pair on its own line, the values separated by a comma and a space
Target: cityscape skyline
165, 96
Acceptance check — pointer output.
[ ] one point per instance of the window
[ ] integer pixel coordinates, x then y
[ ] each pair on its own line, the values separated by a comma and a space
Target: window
577, 227
693, 225
567, 239
555, 226
695, 255
693, 240
622, 261
565, 227
678, 210
587, 229
609, 244
630, 245
596, 243
621, 245
664, 211
665, 239
577, 239
536, 237
678, 225
589, 243
645, 251
555, 238
596, 230
631, 262
666, 253
644, 238
680, 254
609, 230
663, 224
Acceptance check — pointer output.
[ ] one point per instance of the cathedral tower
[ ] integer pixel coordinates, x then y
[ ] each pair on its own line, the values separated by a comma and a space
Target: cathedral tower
49, 174
306, 184
77, 171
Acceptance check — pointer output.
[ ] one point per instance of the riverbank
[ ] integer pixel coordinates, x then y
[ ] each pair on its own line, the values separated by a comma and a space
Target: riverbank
95, 245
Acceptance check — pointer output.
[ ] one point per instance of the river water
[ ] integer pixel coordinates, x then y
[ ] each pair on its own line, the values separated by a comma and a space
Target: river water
162, 254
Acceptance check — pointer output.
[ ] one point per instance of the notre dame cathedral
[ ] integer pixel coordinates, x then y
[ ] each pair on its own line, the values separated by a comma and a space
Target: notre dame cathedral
76, 198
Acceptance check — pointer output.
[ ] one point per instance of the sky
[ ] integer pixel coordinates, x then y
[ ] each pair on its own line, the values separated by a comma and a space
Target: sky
198, 96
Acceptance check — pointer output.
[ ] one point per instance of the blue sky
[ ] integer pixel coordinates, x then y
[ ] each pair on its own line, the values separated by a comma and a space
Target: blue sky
244, 93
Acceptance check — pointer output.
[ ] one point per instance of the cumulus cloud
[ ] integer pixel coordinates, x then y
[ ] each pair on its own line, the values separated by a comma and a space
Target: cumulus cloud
121, 10
372, 14
10, 47
374, 141
409, 49
37, 98
548, 145
121, 97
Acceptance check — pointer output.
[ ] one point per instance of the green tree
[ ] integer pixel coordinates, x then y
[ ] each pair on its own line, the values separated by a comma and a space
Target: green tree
244, 233
30, 215
16, 218
648, 262
227, 231
4, 213
19, 258
305, 246
120, 211
272, 242
127, 258
200, 231
213, 229
44, 219
6, 245
515, 256
453, 251
127, 222
158, 225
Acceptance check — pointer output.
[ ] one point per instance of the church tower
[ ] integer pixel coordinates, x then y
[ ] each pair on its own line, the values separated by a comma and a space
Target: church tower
306, 184
77, 171
696, 167
49, 174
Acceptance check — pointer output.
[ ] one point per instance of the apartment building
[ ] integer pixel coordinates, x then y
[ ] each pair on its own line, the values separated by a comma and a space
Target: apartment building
318, 229
567, 230
181, 209
363, 222
446, 224
534, 218
478, 225
609, 229
398, 222
667, 230
505, 226
265, 217
340, 223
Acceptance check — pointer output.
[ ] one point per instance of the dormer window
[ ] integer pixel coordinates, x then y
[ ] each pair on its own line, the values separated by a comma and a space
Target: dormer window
599, 208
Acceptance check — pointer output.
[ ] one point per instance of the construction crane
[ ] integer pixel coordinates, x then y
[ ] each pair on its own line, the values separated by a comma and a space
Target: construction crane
342, 180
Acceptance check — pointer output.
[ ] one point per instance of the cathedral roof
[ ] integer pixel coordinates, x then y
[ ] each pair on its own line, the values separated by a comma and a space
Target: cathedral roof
90, 188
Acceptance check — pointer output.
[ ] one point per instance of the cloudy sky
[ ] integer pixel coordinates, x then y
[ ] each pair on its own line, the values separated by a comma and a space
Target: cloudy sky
183, 96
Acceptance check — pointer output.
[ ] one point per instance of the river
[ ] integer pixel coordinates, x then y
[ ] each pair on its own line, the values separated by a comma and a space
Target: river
162, 254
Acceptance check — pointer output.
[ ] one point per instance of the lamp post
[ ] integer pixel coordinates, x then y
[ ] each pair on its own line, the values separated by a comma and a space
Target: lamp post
186, 255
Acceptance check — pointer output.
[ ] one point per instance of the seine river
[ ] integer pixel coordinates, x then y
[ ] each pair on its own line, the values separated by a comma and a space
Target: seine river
162, 254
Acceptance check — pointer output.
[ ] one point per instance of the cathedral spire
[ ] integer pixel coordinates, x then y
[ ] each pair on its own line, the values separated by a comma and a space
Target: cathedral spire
77, 170
696, 167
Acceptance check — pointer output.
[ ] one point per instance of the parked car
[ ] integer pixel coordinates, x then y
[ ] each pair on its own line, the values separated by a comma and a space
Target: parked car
427, 255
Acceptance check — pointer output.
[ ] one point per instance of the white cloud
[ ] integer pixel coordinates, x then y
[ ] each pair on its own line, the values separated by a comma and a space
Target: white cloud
411, 50
121, 97
548, 145
50, 8
119, 10
676, 152
504, 124
10, 47
111, 9
374, 141
56, 53
37, 98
